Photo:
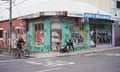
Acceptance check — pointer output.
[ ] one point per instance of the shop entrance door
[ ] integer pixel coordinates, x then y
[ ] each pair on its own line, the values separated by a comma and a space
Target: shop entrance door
56, 35
55, 40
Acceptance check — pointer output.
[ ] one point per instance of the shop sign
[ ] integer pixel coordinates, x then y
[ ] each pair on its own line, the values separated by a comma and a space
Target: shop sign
97, 16
75, 14
50, 13
36, 14
56, 25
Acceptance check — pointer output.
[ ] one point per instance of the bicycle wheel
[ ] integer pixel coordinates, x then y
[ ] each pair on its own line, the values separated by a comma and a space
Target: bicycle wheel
26, 53
21, 54
15, 53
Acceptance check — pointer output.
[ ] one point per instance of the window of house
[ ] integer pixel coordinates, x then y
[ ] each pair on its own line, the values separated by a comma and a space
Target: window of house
118, 4
1, 33
39, 33
17, 30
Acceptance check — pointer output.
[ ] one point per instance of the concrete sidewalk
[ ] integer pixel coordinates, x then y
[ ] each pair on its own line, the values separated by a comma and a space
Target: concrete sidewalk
85, 51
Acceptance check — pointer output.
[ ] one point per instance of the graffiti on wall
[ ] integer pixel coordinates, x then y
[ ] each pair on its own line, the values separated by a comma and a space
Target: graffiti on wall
77, 33
77, 38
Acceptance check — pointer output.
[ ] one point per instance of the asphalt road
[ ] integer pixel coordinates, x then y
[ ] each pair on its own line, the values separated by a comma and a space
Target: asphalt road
108, 61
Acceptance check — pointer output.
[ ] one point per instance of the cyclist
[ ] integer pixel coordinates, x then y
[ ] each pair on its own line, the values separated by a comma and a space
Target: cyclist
20, 44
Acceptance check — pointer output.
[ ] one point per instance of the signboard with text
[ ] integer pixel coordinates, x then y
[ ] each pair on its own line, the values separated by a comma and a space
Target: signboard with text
97, 16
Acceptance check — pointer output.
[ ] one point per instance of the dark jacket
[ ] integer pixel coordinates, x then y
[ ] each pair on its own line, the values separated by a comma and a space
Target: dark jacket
19, 45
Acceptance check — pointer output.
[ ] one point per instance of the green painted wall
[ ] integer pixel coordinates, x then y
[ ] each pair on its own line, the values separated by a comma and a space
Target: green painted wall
66, 35
113, 34
87, 28
30, 38
65, 31
47, 36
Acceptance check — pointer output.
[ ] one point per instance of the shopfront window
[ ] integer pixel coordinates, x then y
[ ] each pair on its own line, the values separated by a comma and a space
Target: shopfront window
77, 33
39, 34
101, 34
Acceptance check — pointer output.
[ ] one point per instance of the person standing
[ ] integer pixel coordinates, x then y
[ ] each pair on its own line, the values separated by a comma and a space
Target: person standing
71, 45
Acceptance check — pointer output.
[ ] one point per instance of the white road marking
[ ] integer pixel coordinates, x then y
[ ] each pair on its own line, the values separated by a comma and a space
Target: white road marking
62, 64
105, 54
46, 59
57, 63
71, 63
50, 63
47, 70
89, 54
112, 54
32, 62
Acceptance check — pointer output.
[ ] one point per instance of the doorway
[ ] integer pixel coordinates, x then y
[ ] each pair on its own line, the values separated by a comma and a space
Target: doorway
55, 40
56, 36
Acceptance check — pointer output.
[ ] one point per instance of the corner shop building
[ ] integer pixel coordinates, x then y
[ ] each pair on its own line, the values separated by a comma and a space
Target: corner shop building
77, 20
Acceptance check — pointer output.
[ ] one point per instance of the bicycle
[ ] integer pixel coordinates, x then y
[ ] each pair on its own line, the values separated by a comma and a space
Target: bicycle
21, 53
26, 53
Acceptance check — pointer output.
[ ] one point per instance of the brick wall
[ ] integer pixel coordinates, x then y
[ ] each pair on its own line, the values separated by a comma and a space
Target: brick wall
5, 26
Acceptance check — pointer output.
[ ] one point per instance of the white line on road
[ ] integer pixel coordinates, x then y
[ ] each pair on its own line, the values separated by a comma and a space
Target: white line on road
46, 59
59, 63
112, 54
71, 63
89, 54
32, 62
47, 70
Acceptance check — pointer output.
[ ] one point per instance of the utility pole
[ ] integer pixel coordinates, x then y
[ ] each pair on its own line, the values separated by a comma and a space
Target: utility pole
10, 24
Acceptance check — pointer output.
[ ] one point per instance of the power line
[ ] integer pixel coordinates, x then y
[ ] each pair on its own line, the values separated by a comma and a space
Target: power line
100, 5
16, 8
4, 3
13, 1
19, 2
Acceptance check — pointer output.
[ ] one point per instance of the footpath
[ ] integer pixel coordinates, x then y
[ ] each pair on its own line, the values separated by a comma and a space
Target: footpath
85, 51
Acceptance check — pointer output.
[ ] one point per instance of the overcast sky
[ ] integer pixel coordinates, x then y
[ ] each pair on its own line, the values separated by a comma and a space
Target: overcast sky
22, 7
4, 6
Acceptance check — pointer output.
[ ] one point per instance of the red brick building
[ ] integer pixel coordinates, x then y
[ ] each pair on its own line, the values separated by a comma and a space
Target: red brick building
19, 27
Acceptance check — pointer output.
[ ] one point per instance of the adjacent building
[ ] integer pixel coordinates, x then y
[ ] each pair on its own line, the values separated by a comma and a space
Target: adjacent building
18, 28
116, 11
113, 7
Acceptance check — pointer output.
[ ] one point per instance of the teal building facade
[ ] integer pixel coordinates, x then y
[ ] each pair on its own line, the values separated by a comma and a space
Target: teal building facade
45, 32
